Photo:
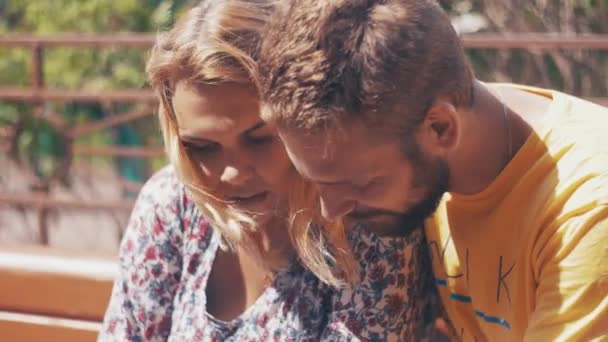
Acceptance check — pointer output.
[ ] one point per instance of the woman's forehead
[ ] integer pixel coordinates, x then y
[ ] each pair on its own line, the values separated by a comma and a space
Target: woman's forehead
217, 109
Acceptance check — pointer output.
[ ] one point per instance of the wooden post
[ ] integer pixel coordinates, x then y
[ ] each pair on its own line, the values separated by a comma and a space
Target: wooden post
41, 187
37, 72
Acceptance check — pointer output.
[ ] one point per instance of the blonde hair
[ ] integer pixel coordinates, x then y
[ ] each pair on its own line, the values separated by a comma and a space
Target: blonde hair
217, 42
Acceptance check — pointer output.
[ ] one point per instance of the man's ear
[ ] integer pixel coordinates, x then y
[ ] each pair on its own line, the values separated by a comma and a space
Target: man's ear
439, 130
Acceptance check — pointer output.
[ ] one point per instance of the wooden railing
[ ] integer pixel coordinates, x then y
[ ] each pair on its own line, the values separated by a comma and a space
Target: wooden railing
37, 93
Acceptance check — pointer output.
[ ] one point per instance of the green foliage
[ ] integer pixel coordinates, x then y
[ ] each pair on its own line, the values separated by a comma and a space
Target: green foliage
40, 144
582, 73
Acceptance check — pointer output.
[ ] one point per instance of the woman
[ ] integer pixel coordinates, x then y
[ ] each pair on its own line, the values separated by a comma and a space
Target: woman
216, 245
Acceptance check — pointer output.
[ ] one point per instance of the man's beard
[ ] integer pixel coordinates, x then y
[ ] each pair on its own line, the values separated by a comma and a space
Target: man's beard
434, 176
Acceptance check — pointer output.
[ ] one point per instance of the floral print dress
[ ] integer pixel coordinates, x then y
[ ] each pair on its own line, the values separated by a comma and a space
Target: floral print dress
166, 257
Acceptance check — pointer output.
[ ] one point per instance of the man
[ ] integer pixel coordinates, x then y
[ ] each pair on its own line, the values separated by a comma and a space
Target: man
377, 105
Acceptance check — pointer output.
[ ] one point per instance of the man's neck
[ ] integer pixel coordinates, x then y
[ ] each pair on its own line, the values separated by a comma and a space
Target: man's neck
493, 132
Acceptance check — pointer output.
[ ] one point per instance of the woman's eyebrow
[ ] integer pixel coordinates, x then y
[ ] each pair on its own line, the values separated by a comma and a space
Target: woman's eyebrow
192, 139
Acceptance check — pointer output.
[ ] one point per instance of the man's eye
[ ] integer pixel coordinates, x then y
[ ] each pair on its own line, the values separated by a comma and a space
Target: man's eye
258, 140
374, 185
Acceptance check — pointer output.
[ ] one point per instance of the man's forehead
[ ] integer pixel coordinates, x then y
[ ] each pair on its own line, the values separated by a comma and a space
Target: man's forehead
326, 146
317, 157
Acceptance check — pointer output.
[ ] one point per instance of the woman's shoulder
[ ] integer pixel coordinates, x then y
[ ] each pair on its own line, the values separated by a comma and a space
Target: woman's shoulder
163, 213
165, 195
152, 257
162, 189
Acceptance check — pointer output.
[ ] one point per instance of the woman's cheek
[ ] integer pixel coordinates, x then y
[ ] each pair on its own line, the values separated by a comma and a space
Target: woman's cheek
275, 167
211, 172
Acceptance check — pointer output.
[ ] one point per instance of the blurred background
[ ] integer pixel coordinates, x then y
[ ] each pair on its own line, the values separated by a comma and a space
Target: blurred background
78, 135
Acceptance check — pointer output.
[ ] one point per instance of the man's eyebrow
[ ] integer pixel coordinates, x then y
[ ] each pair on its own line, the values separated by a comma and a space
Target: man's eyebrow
257, 126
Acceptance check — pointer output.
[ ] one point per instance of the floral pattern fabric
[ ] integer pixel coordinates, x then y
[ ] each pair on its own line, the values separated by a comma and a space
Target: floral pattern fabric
166, 257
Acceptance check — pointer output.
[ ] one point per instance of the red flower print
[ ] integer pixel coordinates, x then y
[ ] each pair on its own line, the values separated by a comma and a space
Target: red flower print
150, 331
158, 228
150, 254
362, 245
377, 273
165, 324
157, 270
401, 280
198, 335
262, 320
369, 255
141, 315
129, 245
394, 305
166, 265
371, 322
111, 327
354, 326
194, 263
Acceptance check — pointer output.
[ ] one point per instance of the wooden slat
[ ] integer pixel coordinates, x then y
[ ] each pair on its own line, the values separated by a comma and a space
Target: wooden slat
127, 39
82, 96
111, 121
118, 151
535, 41
473, 40
15, 327
54, 285
64, 95
41, 201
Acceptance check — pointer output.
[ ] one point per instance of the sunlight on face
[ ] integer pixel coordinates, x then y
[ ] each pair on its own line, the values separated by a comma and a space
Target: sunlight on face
242, 159
363, 180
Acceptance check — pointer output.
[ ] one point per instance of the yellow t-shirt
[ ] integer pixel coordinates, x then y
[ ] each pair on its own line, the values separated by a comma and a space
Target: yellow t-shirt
527, 258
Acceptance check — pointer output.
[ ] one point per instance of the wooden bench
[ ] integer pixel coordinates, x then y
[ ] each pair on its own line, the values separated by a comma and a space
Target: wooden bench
51, 296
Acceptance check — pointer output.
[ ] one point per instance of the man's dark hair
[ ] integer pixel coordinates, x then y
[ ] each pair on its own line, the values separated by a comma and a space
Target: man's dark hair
328, 62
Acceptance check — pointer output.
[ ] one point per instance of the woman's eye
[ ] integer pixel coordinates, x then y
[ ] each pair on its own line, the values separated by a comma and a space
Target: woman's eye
202, 149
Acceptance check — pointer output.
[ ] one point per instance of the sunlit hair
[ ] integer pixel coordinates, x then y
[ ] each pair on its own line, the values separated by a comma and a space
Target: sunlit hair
380, 62
217, 42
